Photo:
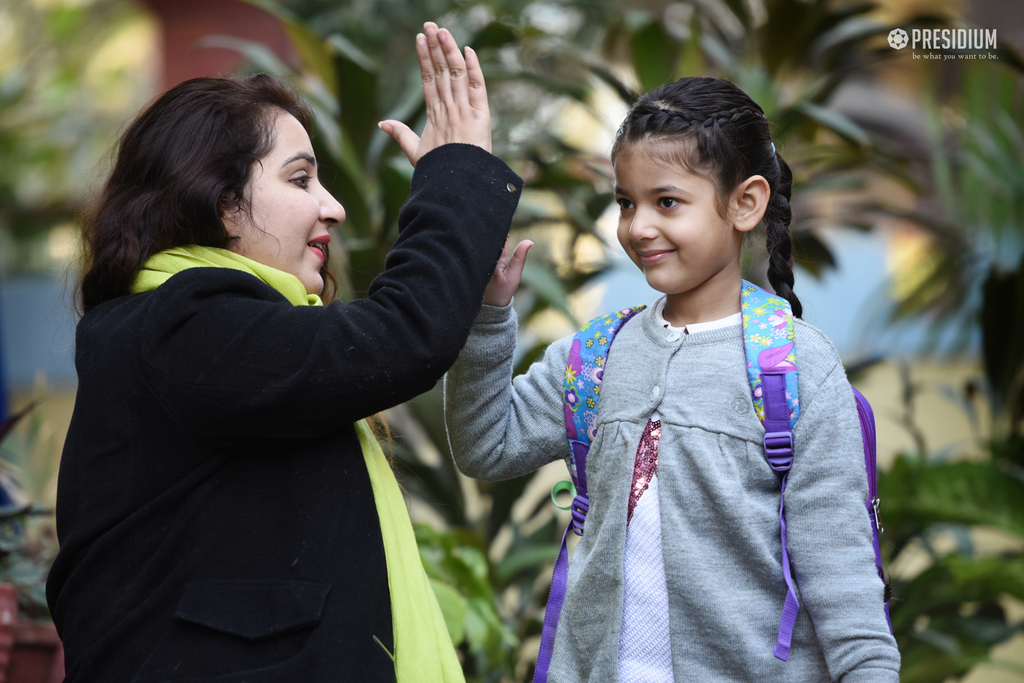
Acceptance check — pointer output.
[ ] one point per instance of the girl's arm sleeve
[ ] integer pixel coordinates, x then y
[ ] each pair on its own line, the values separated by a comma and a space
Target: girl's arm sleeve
229, 358
499, 428
829, 537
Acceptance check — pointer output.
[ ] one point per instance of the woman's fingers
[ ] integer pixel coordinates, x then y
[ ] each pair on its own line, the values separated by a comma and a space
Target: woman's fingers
454, 93
477, 90
456, 66
442, 74
404, 136
426, 70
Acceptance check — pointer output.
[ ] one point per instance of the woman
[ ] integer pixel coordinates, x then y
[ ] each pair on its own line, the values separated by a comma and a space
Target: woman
223, 510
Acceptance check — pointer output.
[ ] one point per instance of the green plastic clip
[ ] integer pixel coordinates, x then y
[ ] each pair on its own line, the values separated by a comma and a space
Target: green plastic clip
564, 485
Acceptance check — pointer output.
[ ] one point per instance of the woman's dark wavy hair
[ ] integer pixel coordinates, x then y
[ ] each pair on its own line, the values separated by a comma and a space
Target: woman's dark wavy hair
181, 164
727, 140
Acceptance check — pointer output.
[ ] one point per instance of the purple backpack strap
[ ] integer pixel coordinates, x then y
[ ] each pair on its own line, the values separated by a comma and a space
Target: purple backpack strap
867, 431
581, 393
769, 342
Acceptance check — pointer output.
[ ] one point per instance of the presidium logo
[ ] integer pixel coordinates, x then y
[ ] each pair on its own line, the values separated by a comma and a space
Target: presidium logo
975, 40
897, 38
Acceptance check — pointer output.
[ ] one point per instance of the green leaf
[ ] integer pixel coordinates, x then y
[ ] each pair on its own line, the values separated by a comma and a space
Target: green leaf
64, 22
359, 115
493, 35
625, 93
853, 30
462, 566
260, 57
812, 252
919, 492
652, 55
477, 627
531, 556
314, 54
998, 575
542, 280
350, 51
835, 121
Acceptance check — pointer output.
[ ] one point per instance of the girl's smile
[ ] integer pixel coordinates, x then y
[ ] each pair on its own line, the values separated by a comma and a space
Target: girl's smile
649, 257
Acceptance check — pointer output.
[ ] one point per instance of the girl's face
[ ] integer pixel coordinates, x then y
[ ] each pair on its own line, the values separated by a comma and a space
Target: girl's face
670, 226
286, 227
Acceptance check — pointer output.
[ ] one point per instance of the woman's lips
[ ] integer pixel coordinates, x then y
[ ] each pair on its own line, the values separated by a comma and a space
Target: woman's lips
319, 245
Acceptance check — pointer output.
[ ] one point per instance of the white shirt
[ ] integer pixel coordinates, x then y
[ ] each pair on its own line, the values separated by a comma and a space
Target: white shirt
645, 653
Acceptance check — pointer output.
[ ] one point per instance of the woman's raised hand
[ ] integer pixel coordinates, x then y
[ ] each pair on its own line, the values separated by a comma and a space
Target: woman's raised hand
456, 97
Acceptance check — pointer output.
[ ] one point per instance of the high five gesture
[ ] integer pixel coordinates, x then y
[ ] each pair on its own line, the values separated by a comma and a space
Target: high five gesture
455, 94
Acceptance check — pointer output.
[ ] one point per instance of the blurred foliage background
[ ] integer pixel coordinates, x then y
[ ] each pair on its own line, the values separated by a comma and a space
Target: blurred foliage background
877, 142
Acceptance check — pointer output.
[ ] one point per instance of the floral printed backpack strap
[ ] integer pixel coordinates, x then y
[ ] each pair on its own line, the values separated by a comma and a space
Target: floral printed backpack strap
769, 341
581, 393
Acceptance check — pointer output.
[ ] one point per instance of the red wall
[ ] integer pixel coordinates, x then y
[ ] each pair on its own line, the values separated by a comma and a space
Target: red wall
184, 23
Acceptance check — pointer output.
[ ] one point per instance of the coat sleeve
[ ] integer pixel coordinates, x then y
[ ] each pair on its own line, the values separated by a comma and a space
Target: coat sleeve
829, 532
499, 428
229, 357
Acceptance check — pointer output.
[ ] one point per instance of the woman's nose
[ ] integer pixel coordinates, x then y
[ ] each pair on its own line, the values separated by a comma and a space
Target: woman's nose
331, 210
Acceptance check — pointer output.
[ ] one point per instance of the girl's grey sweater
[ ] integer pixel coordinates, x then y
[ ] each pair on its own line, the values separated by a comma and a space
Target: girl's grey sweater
719, 501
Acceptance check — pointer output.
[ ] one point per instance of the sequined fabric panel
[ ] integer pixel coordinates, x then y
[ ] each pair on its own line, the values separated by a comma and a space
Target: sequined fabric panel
646, 465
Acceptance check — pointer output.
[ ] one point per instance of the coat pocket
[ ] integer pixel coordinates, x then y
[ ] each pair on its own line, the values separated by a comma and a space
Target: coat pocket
253, 610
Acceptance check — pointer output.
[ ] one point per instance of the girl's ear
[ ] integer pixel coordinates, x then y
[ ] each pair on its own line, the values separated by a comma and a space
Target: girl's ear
749, 201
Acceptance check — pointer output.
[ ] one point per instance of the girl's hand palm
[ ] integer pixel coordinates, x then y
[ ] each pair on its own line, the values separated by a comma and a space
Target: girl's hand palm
507, 274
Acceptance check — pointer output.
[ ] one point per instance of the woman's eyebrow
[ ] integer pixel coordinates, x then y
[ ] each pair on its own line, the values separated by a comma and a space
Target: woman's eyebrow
301, 155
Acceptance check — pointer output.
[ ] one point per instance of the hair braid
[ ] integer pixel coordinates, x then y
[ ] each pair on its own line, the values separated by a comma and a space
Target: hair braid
779, 241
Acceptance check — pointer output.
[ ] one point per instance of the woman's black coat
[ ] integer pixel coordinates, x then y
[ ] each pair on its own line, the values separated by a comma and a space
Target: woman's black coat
214, 510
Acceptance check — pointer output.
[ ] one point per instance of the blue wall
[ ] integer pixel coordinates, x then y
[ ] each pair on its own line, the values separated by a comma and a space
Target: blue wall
37, 331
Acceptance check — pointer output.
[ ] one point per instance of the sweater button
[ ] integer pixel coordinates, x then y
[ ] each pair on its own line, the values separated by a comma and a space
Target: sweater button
511, 188
673, 336
654, 393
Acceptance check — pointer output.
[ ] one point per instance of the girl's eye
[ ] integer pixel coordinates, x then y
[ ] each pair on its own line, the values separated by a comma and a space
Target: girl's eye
624, 204
302, 181
667, 202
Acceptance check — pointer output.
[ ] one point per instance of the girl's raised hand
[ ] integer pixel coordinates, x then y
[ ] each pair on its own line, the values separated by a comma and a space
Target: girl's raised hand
507, 273
455, 94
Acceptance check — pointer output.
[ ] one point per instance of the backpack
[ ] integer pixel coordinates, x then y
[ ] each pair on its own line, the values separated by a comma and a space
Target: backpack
769, 343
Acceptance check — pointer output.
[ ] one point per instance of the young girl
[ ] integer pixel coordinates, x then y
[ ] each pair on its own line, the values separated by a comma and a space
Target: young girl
679, 575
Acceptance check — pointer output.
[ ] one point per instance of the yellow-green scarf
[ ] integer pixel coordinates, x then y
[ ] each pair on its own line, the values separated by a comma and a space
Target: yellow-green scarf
423, 648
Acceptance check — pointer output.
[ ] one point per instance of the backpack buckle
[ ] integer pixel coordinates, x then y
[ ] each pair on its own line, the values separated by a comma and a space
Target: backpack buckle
778, 449
876, 503
580, 507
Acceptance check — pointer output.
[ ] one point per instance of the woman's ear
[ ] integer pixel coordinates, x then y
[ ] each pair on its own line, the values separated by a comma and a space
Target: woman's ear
230, 211
749, 202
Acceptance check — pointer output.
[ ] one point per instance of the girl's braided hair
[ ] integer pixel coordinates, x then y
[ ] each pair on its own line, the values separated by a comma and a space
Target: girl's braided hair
731, 141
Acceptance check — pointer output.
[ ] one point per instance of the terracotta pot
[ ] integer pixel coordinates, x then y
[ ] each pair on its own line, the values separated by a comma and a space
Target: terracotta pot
8, 615
30, 651
38, 656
